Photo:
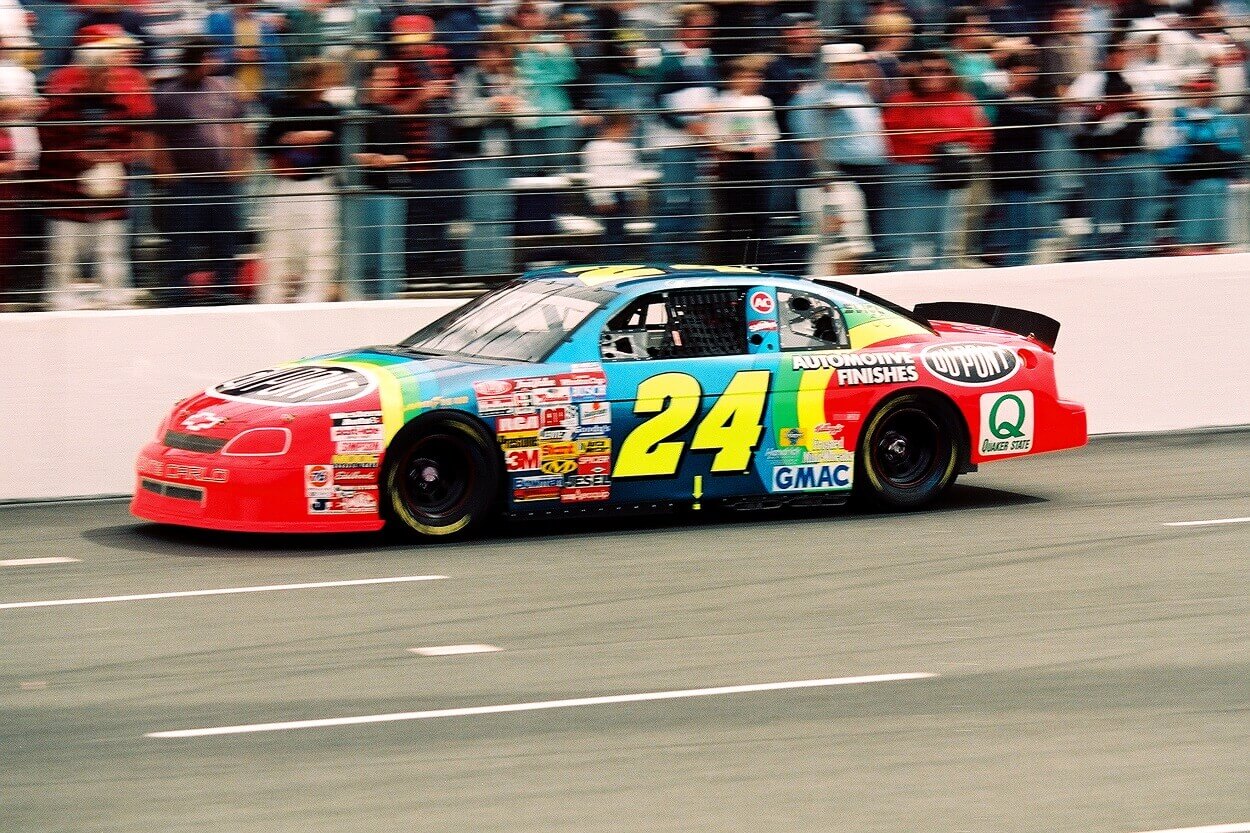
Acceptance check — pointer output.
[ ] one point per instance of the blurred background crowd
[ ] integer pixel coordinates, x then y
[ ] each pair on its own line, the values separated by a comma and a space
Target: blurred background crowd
193, 152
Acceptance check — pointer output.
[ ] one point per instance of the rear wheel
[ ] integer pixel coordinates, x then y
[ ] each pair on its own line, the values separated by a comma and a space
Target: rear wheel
441, 479
909, 452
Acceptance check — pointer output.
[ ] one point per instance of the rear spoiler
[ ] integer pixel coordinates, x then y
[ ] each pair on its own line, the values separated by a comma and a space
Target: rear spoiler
1033, 325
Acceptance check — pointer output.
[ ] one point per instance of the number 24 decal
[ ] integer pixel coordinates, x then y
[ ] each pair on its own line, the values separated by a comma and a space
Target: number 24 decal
732, 428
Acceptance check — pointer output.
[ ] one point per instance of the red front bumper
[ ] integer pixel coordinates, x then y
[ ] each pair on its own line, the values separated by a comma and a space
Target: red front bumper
233, 494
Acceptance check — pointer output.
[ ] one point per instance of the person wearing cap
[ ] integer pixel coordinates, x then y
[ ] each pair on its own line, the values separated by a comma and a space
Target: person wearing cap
1208, 154
89, 136
841, 126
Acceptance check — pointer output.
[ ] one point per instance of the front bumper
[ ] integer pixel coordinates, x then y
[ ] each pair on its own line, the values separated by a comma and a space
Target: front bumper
233, 494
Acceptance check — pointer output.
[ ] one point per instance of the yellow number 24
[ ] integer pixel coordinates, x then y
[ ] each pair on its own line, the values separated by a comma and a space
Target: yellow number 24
732, 428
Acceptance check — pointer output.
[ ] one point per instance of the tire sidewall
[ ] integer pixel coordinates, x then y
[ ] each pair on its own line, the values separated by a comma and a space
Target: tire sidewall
481, 503
874, 488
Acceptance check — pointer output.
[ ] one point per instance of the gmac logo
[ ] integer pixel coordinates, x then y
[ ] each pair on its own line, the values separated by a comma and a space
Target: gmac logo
813, 478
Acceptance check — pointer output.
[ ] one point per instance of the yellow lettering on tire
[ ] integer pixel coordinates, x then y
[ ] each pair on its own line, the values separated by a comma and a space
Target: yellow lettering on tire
734, 423
647, 452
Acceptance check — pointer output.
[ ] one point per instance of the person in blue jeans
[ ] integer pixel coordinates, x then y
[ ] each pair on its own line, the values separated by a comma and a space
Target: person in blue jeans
381, 211
1207, 155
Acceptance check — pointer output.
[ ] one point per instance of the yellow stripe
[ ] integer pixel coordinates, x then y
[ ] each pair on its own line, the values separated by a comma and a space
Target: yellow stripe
389, 392
874, 332
810, 400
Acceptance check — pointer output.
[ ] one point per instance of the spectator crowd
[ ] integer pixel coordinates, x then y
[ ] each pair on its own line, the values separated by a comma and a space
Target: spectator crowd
183, 152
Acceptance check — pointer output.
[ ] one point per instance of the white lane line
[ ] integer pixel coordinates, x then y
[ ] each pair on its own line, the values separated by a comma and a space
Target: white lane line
1239, 827
1215, 522
178, 594
34, 562
452, 650
470, 711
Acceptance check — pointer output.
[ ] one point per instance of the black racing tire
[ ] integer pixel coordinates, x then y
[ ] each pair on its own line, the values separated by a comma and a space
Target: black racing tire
441, 479
909, 452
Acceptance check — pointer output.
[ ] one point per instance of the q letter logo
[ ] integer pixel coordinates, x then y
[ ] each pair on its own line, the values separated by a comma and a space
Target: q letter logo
1006, 423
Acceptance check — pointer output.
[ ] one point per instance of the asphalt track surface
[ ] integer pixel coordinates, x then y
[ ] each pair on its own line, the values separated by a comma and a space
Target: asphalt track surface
1093, 671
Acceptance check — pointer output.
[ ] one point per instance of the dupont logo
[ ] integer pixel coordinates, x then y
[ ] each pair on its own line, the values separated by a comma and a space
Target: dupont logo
301, 385
971, 365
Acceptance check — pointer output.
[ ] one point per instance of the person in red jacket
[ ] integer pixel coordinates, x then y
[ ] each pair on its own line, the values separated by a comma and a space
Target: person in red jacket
89, 135
935, 132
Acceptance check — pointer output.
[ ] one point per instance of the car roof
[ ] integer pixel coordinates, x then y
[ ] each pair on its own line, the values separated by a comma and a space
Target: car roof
661, 276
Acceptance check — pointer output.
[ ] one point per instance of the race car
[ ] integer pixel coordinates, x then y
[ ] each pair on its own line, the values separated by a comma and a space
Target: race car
595, 387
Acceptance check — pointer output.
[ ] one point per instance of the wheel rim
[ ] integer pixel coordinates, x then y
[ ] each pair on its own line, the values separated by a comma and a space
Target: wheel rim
906, 451
436, 477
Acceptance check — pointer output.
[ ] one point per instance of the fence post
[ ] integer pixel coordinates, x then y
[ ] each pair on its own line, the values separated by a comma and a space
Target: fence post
351, 178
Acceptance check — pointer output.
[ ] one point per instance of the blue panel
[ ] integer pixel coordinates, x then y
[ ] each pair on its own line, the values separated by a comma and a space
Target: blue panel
762, 329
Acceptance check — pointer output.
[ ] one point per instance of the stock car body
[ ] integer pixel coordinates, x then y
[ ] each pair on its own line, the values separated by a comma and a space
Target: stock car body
593, 387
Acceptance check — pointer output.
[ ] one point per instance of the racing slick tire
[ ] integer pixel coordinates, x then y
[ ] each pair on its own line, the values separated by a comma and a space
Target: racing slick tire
911, 450
441, 479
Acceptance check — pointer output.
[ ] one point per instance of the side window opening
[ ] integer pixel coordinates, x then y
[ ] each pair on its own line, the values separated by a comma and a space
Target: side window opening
809, 322
684, 323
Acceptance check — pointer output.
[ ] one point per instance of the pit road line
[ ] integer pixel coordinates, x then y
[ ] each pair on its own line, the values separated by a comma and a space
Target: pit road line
1239, 827
178, 594
1215, 522
35, 562
540, 705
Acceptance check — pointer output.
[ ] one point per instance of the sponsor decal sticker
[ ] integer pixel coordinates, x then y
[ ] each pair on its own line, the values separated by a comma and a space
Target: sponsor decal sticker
584, 431
358, 447
763, 325
545, 487
818, 477
585, 495
355, 460
551, 396
565, 465
535, 382
202, 421
762, 302
558, 416
513, 424
348, 476
319, 481
1006, 423
521, 439
971, 365
493, 387
594, 446
363, 501
582, 379
522, 459
587, 481
561, 434
862, 368
552, 451
585, 393
595, 413
300, 385
593, 464
495, 405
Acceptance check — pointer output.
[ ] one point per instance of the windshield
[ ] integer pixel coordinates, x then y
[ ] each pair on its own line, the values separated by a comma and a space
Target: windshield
524, 322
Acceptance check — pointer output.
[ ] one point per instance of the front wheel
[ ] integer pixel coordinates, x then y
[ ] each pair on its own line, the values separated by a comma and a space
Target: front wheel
441, 479
909, 452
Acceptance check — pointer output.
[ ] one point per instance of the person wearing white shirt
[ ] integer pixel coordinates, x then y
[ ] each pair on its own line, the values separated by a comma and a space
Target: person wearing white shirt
743, 129
613, 173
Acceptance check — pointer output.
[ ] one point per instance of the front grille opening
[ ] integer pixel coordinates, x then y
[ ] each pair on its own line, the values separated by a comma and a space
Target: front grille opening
192, 442
173, 490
